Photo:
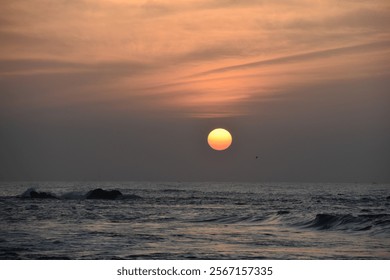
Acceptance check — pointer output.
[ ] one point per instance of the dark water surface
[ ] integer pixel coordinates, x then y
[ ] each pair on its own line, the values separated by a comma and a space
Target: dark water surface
196, 221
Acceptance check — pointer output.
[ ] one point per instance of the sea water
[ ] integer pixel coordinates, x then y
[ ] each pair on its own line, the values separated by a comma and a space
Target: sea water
196, 221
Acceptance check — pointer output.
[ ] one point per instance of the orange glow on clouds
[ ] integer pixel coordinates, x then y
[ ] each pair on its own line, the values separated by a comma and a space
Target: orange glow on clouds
197, 58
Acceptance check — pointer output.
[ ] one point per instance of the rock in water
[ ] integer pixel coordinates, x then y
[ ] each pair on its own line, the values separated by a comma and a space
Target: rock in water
35, 194
103, 194
32, 193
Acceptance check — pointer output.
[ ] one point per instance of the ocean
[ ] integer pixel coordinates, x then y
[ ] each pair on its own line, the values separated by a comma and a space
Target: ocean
195, 221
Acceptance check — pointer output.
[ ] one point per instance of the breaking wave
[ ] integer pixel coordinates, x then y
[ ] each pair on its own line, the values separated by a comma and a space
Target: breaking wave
348, 222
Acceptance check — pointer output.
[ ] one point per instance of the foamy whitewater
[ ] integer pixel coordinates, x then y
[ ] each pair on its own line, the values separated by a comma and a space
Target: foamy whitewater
195, 221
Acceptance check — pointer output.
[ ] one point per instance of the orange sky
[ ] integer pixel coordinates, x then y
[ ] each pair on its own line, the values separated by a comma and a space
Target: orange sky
191, 58
130, 89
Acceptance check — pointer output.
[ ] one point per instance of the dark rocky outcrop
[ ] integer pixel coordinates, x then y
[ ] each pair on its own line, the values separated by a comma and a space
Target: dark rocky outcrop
32, 193
35, 194
103, 194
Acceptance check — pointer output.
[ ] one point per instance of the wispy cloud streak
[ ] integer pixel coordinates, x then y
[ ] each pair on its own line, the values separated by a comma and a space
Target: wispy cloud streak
377, 46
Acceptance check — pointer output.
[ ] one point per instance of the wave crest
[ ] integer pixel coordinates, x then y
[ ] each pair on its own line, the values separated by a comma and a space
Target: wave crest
347, 222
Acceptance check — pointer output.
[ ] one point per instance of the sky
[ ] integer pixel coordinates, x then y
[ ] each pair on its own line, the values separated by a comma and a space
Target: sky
129, 90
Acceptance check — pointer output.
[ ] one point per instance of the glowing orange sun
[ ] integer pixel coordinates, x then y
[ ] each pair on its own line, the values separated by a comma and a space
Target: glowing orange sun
219, 139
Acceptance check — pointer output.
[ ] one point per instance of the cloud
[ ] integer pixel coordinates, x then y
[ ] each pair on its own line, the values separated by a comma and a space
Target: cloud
354, 20
16, 66
161, 52
384, 45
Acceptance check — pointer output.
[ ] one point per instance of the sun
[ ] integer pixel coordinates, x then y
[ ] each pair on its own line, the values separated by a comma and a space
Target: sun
219, 139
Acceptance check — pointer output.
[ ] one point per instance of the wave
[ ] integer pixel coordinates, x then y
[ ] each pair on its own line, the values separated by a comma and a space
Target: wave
273, 217
231, 219
173, 191
73, 195
348, 222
